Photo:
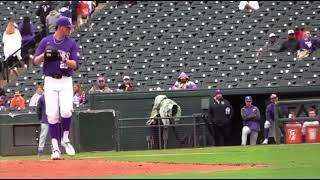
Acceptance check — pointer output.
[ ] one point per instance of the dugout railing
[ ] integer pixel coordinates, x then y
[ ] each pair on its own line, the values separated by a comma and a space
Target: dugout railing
297, 106
135, 134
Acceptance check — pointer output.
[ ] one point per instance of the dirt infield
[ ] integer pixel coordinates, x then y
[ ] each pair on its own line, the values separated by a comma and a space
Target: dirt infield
91, 168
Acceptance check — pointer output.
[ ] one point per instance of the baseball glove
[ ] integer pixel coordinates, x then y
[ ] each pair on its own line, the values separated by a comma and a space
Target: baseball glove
52, 54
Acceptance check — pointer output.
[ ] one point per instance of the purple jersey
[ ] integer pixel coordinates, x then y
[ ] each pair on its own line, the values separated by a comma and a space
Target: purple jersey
251, 117
68, 49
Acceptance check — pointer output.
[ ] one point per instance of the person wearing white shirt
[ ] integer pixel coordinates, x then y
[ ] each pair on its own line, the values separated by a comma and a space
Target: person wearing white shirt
34, 99
249, 5
11, 40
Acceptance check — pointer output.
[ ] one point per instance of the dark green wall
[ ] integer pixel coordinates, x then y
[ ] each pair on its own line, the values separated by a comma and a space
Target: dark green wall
95, 131
139, 104
90, 130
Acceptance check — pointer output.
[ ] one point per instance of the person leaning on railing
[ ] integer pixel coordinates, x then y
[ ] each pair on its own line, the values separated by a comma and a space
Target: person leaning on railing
11, 43
27, 34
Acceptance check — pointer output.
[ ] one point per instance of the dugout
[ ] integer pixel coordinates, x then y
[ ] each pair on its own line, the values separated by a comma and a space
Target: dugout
139, 105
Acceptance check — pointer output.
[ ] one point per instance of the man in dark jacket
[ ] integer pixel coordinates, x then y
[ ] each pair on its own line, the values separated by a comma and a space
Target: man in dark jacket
42, 12
290, 45
220, 113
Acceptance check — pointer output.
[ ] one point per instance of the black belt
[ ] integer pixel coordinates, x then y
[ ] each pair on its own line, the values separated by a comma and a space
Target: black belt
57, 76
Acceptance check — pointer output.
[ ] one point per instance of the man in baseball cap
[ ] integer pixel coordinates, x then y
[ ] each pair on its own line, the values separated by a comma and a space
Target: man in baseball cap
60, 56
101, 86
64, 21
272, 35
251, 122
220, 113
290, 32
269, 125
272, 45
126, 85
291, 45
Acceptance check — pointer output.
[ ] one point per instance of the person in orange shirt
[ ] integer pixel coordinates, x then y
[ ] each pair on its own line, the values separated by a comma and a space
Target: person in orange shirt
18, 101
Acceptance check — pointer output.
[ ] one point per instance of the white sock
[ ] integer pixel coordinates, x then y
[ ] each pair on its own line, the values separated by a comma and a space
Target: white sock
65, 136
55, 144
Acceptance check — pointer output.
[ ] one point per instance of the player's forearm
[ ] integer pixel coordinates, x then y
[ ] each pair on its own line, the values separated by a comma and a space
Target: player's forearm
71, 64
39, 59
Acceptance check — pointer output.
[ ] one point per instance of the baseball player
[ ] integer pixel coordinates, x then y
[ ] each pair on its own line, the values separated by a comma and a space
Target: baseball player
251, 125
41, 112
269, 125
60, 57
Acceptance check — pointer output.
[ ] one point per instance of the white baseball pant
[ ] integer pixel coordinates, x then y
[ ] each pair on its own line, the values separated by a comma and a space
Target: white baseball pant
43, 135
59, 98
253, 136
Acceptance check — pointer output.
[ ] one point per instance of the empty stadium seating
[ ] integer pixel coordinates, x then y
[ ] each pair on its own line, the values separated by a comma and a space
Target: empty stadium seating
212, 41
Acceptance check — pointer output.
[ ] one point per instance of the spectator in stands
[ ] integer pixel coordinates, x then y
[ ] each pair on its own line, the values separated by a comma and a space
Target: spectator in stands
184, 82
290, 45
51, 20
27, 33
269, 125
34, 99
92, 5
299, 33
271, 45
126, 85
100, 87
65, 10
79, 97
74, 14
251, 122
18, 101
11, 43
83, 12
220, 113
43, 11
249, 5
307, 45
3, 100
4, 104
313, 114
2, 92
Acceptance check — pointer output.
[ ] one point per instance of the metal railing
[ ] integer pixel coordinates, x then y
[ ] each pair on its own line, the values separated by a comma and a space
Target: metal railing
138, 125
280, 121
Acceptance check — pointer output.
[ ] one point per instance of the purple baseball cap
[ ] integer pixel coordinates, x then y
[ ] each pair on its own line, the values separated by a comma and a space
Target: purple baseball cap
248, 98
64, 21
218, 91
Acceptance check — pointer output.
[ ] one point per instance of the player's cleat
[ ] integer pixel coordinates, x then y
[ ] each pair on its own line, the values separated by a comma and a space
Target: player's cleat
56, 155
265, 141
69, 148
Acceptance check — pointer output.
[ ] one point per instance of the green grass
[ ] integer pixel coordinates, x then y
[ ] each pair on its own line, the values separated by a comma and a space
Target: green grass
287, 161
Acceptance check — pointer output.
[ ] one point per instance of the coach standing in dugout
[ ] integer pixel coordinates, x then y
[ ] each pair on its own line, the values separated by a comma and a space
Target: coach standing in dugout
220, 113
60, 57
